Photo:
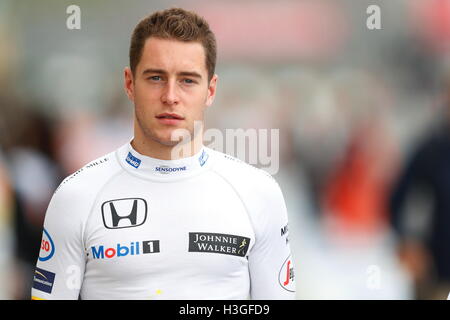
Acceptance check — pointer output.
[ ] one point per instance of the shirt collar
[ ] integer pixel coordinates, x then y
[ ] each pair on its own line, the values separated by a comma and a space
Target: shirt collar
145, 166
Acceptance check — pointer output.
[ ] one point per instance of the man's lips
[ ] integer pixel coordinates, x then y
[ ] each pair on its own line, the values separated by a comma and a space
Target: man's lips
167, 115
169, 118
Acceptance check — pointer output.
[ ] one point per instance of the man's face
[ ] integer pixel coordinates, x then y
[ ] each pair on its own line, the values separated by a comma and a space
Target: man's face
170, 88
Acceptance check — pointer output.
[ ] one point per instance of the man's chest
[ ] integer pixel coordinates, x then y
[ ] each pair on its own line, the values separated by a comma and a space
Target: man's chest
145, 228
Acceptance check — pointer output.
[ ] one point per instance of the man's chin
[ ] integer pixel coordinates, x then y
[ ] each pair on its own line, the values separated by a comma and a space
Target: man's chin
168, 142
174, 137
173, 140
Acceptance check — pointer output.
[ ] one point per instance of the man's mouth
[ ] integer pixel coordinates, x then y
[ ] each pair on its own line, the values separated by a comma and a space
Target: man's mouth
169, 116
170, 119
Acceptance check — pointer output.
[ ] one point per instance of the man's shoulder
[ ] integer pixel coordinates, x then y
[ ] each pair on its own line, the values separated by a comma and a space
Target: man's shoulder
91, 177
241, 172
72, 200
255, 187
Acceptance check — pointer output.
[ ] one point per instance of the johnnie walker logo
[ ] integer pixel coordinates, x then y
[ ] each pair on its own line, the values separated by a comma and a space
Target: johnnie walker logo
218, 243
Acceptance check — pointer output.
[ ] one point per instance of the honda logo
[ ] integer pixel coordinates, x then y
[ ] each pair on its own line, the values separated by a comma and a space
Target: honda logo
124, 213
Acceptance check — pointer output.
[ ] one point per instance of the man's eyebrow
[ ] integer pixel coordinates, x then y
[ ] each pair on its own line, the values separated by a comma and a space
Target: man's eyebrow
190, 74
159, 71
181, 73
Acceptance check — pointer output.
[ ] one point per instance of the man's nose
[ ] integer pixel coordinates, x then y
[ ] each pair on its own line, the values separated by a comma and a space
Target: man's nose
170, 93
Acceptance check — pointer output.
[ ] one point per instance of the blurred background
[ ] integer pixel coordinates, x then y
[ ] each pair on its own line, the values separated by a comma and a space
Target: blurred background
363, 118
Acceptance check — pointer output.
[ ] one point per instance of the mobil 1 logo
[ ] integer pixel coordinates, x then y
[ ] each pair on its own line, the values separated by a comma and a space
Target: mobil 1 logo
124, 213
134, 248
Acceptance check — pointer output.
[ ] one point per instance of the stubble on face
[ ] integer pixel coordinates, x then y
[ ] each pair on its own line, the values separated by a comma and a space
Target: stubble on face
176, 135
173, 57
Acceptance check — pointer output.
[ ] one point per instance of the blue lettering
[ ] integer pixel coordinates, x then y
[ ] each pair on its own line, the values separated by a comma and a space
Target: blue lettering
100, 254
133, 161
120, 248
169, 169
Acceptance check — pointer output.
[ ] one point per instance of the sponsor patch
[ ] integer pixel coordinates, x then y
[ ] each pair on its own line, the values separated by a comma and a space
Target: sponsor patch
43, 280
133, 161
218, 243
167, 169
124, 213
124, 250
203, 158
47, 247
286, 275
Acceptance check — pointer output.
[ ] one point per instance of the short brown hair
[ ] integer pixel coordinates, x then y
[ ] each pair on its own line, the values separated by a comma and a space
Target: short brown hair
178, 24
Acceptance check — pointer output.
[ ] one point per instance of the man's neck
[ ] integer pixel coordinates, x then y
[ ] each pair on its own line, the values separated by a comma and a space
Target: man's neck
161, 151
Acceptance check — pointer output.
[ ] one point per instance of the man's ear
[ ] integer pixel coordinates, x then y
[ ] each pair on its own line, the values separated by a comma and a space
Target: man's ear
212, 90
128, 83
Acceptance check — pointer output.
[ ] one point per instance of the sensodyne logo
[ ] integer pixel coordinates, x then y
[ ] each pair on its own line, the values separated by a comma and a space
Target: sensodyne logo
167, 169
124, 213
218, 243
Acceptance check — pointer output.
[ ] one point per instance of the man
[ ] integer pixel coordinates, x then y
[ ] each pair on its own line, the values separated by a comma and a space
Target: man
419, 206
419, 211
144, 223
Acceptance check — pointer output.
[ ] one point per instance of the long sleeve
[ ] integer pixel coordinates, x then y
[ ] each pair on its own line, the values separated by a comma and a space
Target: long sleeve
61, 261
270, 261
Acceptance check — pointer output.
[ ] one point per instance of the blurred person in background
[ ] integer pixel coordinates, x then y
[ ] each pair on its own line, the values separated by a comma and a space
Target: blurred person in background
420, 209
353, 188
34, 174
357, 189
75, 132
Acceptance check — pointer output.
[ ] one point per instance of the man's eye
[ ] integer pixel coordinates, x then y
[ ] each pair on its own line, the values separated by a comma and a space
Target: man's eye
154, 78
188, 81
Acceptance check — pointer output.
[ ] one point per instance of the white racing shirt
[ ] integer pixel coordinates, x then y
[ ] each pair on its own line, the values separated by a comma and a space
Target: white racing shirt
127, 226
